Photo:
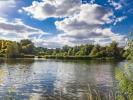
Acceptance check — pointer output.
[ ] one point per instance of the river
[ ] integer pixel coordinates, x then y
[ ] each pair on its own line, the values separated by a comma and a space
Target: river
28, 79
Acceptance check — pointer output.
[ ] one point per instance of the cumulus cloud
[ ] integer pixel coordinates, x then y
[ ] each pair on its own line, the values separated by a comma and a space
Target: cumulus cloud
86, 27
52, 8
17, 30
80, 24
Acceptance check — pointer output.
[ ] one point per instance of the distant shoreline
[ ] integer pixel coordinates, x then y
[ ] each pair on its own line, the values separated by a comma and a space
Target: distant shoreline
64, 57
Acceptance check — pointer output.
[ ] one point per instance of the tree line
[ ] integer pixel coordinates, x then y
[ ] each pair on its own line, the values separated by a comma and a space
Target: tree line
13, 49
26, 48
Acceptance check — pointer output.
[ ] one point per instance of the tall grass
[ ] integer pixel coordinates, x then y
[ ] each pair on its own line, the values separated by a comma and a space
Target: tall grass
95, 94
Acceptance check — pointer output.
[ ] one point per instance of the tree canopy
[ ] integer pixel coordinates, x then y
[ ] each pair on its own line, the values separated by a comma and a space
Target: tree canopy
27, 47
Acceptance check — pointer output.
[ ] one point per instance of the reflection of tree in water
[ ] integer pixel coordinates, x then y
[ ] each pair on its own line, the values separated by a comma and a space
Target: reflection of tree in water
125, 79
19, 61
41, 85
101, 74
92, 62
2, 61
14, 73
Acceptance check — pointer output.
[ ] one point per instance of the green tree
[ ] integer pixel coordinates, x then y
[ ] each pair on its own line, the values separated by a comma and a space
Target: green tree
113, 50
65, 48
95, 51
124, 76
88, 48
27, 46
70, 51
12, 50
129, 50
40, 51
75, 50
82, 51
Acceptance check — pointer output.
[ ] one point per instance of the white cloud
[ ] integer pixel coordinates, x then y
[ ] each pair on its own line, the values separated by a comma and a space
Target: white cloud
86, 27
86, 22
49, 43
119, 19
52, 8
116, 5
17, 30
81, 23
6, 5
92, 1
94, 14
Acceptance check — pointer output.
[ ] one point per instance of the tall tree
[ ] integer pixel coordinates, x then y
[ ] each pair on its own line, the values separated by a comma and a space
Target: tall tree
12, 50
94, 51
27, 46
113, 50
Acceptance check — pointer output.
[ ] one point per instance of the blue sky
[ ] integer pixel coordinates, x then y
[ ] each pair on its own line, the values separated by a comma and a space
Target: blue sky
54, 23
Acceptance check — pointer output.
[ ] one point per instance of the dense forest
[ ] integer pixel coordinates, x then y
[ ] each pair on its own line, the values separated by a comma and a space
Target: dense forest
26, 49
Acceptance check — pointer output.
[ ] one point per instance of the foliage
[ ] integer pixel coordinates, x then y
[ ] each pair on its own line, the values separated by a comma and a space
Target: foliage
90, 51
8, 48
125, 75
26, 47
12, 49
125, 78
129, 51
95, 51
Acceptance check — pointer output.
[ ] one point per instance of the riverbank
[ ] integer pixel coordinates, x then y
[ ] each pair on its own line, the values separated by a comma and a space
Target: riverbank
67, 57
82, 58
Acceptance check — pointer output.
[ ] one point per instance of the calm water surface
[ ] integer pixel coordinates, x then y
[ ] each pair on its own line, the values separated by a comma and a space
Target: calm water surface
27, 79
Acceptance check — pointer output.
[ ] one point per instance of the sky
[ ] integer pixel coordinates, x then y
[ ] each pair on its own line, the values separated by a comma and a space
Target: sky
55, 23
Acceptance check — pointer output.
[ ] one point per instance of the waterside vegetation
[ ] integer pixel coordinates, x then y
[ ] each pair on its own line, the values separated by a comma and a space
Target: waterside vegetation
124, 74
26, 49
